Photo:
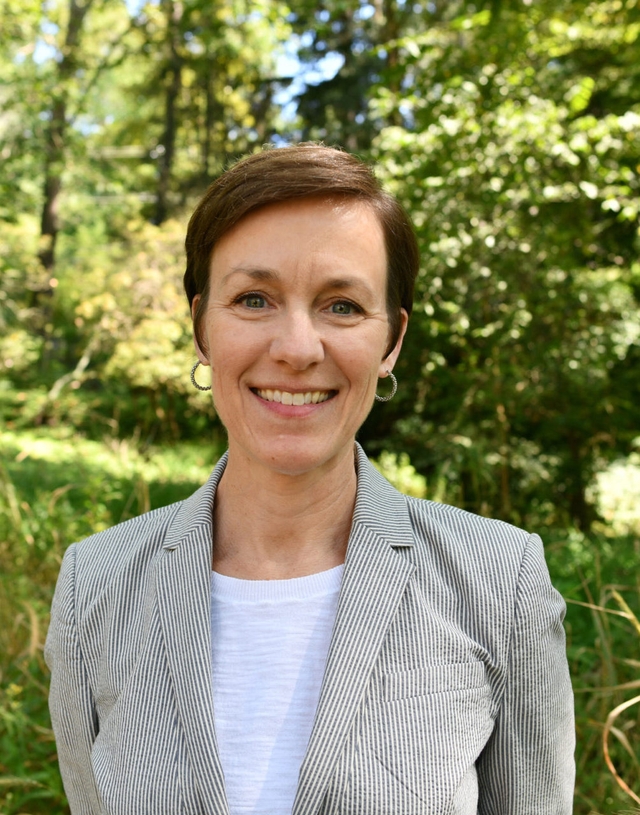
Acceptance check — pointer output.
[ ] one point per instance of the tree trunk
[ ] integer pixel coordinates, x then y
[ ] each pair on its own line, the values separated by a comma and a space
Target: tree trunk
56, 136
174, 70
209, 119
389, 34
580, 510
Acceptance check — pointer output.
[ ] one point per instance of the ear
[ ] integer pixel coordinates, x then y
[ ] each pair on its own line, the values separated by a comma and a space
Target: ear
389, 361
199, 352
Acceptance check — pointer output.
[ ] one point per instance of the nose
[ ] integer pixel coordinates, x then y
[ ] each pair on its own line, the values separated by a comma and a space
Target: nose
297, 341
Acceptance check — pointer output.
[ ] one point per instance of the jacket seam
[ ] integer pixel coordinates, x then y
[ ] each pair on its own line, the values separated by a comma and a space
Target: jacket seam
514, 614
78, 631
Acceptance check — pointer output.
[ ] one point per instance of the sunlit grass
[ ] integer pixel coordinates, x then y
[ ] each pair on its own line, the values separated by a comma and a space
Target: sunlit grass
122, 458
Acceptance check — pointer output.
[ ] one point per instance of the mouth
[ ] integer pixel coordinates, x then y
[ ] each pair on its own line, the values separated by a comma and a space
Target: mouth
288, 398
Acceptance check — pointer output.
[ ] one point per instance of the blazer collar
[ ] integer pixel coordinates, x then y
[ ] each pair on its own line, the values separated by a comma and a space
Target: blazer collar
184, 603
196, 511
374, 580
380, 507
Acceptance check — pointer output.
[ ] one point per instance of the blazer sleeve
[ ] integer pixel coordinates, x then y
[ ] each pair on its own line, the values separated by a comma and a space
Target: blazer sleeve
527, 767
71, 703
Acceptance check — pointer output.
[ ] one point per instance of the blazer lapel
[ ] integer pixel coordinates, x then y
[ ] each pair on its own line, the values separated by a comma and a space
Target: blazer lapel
374, 581
184, 601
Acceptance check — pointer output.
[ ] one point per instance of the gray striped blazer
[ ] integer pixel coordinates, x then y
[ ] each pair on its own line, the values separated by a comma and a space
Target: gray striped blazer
446, 690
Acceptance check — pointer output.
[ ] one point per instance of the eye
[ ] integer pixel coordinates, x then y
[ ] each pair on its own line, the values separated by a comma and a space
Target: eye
252, 300
345, 308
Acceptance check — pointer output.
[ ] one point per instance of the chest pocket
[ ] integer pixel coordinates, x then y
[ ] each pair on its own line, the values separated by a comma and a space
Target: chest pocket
424, 730
448, 678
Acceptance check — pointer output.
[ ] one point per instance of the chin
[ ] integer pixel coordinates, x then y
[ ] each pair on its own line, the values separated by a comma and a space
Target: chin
294, 457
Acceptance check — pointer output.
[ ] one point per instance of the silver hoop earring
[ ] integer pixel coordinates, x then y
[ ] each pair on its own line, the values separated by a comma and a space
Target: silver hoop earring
394, 388
193, 378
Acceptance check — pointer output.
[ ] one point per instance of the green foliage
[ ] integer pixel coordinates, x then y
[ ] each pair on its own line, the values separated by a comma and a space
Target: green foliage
398, 470
520, 171
518, 166
616, 492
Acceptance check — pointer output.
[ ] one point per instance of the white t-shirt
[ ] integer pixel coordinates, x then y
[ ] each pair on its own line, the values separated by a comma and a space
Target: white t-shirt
270, 640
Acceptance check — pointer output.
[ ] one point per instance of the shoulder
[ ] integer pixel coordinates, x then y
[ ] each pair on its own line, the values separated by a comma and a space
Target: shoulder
119, 542
438, 534
470, 530
101, 559
470, 548
490, 575
121, 559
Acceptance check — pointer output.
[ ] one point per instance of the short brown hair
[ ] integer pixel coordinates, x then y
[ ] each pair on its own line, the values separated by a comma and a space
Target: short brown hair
300, 171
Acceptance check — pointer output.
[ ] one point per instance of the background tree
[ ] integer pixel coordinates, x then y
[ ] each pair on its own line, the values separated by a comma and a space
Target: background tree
509, 130
519, 165
68, 63
362, 38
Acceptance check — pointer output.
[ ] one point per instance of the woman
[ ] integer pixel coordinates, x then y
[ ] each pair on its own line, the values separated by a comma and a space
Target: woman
297, 636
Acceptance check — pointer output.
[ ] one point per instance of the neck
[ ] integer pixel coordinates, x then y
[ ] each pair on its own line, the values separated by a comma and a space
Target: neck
270, 526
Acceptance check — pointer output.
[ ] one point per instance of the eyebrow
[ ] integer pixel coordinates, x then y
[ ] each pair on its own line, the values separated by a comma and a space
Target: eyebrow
254, 274
270, 275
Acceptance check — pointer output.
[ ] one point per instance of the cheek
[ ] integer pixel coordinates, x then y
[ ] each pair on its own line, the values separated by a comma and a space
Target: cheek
374, 346
361, 358
216, 335
232, 350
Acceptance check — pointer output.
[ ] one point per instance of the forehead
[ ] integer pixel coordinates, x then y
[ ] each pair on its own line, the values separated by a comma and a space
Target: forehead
311, 236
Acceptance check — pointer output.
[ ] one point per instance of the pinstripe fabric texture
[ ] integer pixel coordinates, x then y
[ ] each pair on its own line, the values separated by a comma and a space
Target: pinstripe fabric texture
446, 690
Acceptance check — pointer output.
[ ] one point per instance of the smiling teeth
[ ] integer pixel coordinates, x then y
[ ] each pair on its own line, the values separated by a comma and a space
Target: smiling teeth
286, 398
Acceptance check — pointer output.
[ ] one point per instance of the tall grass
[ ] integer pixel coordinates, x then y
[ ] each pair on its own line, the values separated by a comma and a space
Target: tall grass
57, 490
30, 553
599, 578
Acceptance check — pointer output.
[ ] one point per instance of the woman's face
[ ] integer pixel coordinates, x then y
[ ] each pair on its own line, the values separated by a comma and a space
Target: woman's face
296, 330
